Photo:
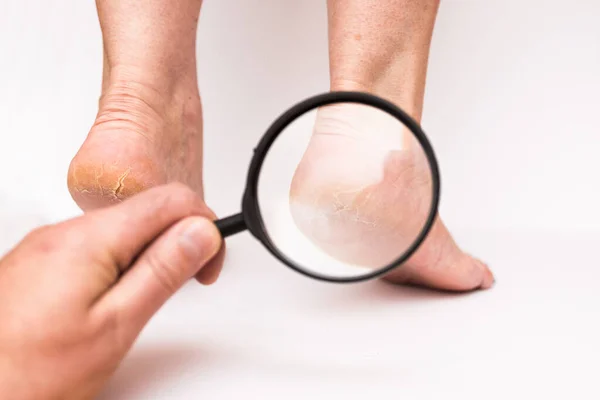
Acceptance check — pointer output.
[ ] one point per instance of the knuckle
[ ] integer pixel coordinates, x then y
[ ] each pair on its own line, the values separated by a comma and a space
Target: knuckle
43, 239
165, 272
38, 233
113, 327
177, 196
178, 187
184, 196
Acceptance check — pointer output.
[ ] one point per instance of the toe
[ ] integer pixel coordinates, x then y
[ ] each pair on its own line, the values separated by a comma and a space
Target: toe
461, 274
488, 277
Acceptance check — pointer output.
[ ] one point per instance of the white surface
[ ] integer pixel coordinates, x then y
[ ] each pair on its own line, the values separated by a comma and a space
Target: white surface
265, 333
511, 110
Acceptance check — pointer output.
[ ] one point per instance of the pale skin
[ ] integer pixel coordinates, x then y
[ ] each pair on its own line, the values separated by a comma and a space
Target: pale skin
382, 47
148, 133
149, 125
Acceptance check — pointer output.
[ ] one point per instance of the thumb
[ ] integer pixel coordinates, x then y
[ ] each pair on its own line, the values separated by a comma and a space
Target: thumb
164, 267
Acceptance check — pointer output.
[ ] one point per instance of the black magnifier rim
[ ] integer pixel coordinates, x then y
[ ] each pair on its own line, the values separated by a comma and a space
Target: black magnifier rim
250, 205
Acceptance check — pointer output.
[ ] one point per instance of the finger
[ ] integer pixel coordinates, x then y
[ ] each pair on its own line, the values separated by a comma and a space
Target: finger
124, 230
210, 273
168, 263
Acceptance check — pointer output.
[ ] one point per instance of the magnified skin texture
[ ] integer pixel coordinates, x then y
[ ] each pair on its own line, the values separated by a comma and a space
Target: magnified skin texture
148, 129
356, 200
361, 198
364, 202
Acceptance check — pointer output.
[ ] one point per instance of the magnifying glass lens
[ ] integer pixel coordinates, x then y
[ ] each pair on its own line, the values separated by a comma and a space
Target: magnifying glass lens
344, 191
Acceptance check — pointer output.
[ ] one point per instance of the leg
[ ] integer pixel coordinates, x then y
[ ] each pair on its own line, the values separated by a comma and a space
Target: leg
148, 129
380, 47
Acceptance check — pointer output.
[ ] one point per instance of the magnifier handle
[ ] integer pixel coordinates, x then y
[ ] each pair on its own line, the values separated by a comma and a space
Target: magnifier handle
229, 226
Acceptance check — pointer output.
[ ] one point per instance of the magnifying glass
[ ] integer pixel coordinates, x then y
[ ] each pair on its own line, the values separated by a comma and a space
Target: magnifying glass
343, 187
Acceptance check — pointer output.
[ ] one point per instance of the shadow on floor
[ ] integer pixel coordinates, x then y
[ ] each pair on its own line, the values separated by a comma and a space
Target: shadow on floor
152, 368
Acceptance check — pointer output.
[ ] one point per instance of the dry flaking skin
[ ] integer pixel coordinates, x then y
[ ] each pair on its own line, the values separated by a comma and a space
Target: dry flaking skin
369, 225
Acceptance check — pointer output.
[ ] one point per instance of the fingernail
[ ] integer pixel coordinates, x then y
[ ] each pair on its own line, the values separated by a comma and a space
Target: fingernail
199, 240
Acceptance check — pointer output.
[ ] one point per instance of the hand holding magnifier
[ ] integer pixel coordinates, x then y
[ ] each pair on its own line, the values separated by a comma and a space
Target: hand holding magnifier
351, 224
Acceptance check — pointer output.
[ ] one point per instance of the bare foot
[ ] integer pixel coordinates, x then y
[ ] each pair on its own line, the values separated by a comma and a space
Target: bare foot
148, 130
143, 136
370, 217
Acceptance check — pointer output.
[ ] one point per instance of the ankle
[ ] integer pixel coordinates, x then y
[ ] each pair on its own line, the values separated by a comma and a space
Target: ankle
133, 95
401, 81
151, 84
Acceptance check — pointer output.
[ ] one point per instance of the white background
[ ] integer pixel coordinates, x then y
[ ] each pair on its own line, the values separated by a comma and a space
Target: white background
511, 109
